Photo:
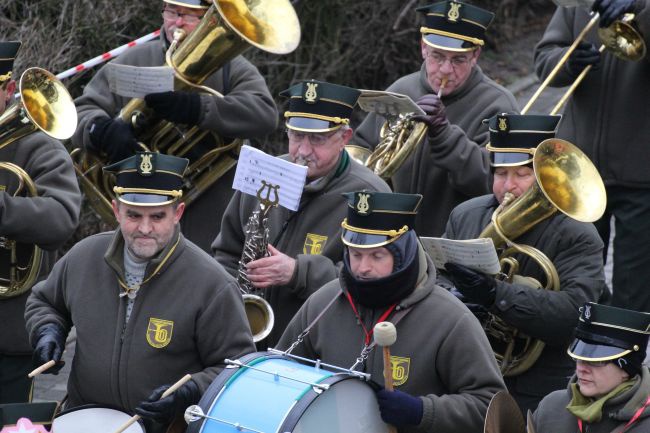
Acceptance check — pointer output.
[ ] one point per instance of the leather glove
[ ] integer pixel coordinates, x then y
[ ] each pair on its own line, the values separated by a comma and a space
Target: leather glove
479, 310
49, 346
399, 408
611, 10
585, 54
177, 107
166, 409
477, 287
435, 116
113, 137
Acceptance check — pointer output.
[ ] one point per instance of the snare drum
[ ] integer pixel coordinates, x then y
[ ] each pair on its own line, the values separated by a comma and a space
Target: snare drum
273, 393
89, 418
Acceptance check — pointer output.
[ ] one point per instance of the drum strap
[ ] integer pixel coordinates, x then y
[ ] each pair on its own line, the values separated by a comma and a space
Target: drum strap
304, 333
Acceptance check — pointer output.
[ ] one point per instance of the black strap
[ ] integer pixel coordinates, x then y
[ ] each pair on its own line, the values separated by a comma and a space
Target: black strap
226, 79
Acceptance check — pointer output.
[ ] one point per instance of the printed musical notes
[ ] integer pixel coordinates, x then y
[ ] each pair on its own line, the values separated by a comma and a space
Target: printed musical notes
478, 254
255, 166
135, 81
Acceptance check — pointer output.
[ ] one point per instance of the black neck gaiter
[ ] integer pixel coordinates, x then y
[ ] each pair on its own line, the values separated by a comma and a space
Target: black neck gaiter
382, 292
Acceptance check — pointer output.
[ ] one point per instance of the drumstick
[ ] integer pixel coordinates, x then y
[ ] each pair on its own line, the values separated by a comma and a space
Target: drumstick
42, 368
443, 83
385, 335
169, 390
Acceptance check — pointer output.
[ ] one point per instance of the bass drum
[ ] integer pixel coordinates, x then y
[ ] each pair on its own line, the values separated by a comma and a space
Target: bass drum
276, 394
89, 418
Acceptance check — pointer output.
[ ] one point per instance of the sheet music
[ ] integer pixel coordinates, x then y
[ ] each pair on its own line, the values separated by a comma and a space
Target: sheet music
136, 81
478, 254
255, 166
381, 102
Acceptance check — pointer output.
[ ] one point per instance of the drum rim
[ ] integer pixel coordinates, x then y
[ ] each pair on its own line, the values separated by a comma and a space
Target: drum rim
91, 406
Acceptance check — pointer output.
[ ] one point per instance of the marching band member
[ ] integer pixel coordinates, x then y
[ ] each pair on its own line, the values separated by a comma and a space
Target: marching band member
58, 200
606, 117
444, 371
573, 247
610, 391
450, 165
148, 305
304, 245
247, 110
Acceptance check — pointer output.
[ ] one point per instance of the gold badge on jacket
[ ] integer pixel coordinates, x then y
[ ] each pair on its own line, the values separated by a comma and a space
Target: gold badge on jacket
400, 367
159, 332
314, 244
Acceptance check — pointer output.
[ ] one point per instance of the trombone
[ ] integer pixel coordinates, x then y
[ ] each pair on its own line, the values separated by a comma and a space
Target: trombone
621, 38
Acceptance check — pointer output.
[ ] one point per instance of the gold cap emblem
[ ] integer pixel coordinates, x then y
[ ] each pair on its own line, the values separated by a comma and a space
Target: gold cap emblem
145, 168
454, 12
362, 203
311, 95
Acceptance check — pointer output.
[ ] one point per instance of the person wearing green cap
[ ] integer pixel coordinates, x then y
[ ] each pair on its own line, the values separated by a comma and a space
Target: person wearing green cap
246, 111
57, 201
444, 372
148, 305
450, 165
573, 247
606, 117
304, 245
610, 390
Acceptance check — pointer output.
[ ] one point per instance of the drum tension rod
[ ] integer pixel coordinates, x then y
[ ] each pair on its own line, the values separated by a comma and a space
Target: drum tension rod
322, 386
194, 413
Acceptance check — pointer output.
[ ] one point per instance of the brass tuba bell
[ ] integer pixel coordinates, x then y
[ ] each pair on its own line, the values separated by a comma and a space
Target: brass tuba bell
226, 30
45, 105
566, 180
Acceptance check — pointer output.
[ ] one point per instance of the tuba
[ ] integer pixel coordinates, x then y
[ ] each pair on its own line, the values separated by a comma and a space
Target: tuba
226, 30
258, 311
566, 180
45, 105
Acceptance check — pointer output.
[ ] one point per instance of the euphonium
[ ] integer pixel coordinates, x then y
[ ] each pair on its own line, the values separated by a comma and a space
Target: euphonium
566, 180
45, 105
226, 30
258, 311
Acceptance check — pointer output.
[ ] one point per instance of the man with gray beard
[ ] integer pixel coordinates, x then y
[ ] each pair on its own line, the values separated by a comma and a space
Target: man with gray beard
304, 246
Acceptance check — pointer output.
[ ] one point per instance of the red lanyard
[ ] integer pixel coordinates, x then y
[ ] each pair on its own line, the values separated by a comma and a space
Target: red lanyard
636, 416
383, 317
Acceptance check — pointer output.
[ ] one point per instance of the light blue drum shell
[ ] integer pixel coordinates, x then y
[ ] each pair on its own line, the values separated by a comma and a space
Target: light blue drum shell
277, 400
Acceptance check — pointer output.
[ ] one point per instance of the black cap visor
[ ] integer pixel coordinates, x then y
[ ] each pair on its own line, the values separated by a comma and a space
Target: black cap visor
365, 240
308, 124
136, 199
510, 159
585, 351
447, 43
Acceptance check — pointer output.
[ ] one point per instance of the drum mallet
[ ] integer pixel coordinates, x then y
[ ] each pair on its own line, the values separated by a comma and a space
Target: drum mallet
385, 335
42, 368
169, 390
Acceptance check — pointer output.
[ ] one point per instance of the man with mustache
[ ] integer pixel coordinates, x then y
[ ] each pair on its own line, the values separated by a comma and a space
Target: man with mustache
450, 165
148, 305
304, 245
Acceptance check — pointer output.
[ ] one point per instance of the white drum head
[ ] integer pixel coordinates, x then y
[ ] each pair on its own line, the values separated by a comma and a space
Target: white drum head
94, 419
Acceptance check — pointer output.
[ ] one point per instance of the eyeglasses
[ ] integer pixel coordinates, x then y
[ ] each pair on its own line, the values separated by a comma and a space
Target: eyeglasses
315, 139
172, 15
593, 363
455, 61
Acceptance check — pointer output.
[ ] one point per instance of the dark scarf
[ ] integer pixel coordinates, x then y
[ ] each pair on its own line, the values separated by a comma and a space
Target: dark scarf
383, 292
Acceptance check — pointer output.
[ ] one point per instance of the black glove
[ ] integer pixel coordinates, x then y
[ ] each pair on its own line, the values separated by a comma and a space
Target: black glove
435, 116
399, 408
479, 310
611, 10
113, 137
177, 107
49, 346
168, 408
585, 54
477, 287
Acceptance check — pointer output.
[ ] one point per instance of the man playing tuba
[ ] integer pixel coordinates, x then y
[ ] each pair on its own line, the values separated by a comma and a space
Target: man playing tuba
573, 247
450, 165
47, 165
247, 110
